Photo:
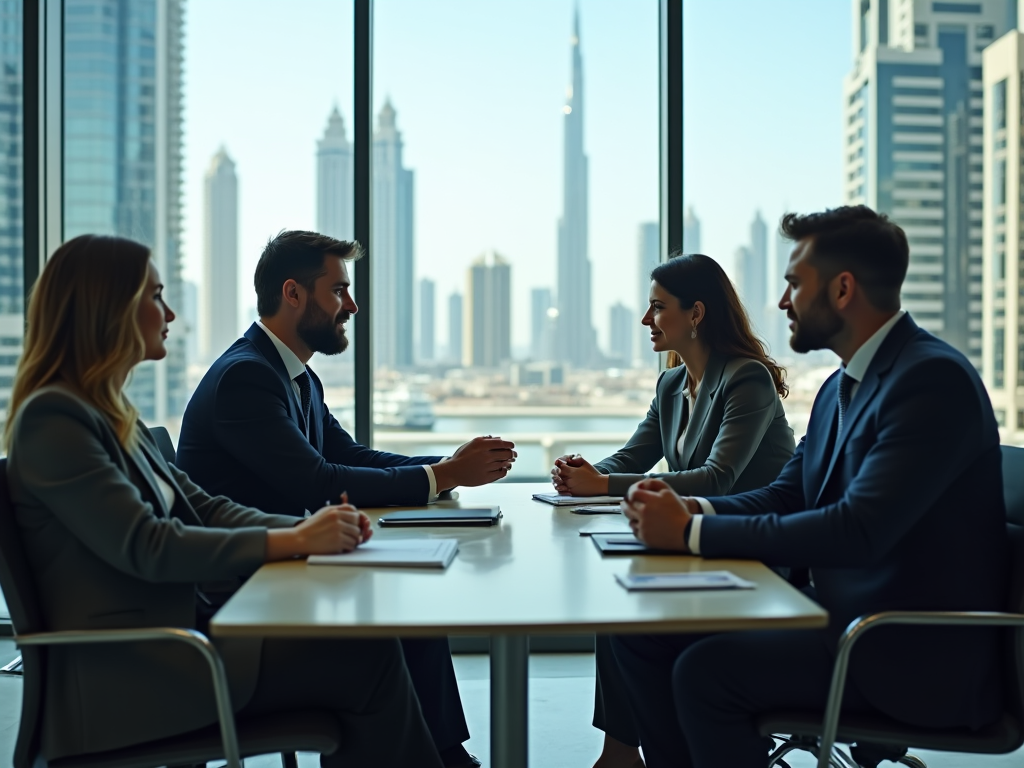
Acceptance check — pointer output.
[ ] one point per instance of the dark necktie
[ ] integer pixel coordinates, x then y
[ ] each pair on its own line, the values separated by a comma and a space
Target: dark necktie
845, 388
305, 396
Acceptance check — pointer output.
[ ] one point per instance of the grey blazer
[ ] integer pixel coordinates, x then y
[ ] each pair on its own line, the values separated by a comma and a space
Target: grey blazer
107, 553
737, 438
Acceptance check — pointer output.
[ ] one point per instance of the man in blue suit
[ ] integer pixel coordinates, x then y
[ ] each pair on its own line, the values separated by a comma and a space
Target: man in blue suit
257, 430
893, 499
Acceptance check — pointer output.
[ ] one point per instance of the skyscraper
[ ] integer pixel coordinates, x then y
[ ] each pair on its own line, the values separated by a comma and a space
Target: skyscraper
219, 316
488, 334
575, 338
426, 320
541, 336
691, 232
757, 275
334, 183
455, 327
620, 334
648, 252
392, 256
12, 244
912, 147
1003, 274
123, 152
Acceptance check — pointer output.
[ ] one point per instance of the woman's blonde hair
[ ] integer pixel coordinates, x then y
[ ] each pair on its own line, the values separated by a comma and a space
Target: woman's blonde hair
82, 328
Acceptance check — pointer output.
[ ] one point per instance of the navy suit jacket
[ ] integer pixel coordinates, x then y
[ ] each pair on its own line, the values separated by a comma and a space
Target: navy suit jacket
243, 437
907, 514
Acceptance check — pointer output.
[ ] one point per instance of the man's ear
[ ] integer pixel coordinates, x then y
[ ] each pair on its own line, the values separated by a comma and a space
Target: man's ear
844, 286
291, 293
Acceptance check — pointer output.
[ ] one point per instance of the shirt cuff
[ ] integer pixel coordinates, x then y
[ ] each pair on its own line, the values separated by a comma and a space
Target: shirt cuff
694, 541
433, 484
705, 505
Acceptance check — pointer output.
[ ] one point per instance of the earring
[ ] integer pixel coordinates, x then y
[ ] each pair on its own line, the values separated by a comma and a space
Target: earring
693, 333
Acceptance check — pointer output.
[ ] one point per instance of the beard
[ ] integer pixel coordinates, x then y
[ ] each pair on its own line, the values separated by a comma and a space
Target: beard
816, 326
321, 332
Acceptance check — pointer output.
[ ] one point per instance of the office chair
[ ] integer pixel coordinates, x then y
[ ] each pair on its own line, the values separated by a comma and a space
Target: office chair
880, 738
311, 730
163, 442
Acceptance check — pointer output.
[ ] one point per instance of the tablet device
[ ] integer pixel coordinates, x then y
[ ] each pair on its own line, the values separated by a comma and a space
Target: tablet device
626, 544
436, 516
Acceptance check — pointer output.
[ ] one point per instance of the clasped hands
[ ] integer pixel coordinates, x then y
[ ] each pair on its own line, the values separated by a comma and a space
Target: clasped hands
658, 515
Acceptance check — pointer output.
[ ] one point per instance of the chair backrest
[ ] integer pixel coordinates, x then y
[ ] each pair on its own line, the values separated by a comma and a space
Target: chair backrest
20, 592
1013, 493
164, 443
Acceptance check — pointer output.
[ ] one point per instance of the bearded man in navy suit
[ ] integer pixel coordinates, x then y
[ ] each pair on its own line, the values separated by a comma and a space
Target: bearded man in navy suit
893, 499
257, 430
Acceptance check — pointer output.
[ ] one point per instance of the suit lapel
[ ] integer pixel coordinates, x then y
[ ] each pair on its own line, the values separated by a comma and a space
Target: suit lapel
158, 466
145, 468
266, 347
677, 421
702, 408
880, 365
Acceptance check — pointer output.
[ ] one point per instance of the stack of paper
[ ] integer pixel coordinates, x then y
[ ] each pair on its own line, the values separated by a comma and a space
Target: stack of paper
690, 580
566, 501
406, 553
607, 527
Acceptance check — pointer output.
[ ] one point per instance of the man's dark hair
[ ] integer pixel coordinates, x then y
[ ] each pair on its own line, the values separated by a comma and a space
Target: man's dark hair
295, 255
855, 239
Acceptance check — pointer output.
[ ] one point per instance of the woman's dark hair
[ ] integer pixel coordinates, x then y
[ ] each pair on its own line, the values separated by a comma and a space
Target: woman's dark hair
693, 277
295, 255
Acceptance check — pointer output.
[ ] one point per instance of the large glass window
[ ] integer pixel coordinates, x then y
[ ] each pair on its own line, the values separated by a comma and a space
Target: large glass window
203, 145
516, 204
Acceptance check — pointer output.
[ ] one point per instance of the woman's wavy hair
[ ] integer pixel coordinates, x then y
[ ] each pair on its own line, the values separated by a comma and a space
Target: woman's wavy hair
693, 277
82, 328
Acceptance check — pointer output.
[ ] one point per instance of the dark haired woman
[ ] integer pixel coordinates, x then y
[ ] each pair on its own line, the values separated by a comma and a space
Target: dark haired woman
717, 419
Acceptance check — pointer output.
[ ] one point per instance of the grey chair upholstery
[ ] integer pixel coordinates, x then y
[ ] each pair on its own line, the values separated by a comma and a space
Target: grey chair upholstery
1003, 736
312, 730
164, 443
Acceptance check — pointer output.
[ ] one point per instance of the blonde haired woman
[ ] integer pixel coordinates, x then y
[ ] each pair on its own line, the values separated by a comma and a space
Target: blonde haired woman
116, 537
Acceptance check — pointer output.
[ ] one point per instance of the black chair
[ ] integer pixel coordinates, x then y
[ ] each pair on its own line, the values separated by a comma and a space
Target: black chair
163, 442
310, 730
880, 738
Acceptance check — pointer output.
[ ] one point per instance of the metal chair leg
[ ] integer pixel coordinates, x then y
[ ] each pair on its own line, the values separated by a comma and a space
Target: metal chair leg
289, 760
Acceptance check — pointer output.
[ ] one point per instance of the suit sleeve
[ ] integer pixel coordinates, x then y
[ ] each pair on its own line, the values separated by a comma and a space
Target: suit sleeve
222, 512
341, 448
253, 424
750, 401
61, 459
641, 452
906, 468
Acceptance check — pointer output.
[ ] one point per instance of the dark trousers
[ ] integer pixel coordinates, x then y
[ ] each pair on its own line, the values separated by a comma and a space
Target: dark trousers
695, 697
366, 684
429, 660
612, 713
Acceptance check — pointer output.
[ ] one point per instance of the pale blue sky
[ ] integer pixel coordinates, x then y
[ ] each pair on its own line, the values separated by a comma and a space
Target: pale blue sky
479, 85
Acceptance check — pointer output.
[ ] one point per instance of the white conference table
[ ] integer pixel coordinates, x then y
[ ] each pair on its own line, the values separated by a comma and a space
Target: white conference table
532, 574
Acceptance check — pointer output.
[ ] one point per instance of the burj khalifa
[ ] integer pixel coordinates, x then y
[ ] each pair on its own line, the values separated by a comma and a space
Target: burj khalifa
576, 343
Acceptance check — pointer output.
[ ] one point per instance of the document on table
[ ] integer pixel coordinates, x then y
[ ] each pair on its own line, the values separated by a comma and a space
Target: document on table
609, 527
682, 581
575, 501
597, 509
402, 553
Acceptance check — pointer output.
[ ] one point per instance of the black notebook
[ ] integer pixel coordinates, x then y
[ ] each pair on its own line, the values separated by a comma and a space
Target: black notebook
625, 544
442, 517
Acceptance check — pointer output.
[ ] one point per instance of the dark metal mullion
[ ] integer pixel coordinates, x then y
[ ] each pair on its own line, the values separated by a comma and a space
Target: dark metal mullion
670, 32
363, 215
31, 127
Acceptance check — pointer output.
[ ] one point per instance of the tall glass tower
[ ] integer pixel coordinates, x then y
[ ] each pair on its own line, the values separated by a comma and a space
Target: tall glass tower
334, 180
912, 147
122, 152
576, 342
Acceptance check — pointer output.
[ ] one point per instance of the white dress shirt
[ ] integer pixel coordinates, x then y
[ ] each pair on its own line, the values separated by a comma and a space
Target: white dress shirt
856, 369
296, 367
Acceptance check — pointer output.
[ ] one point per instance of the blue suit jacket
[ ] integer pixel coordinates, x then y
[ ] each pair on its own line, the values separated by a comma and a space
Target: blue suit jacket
907, 514
242, 436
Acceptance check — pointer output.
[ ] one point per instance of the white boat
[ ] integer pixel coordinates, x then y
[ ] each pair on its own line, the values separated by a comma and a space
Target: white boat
403, 408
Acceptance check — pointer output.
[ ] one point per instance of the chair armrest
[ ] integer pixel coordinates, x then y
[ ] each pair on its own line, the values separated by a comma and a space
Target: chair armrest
197, 640
856, 629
